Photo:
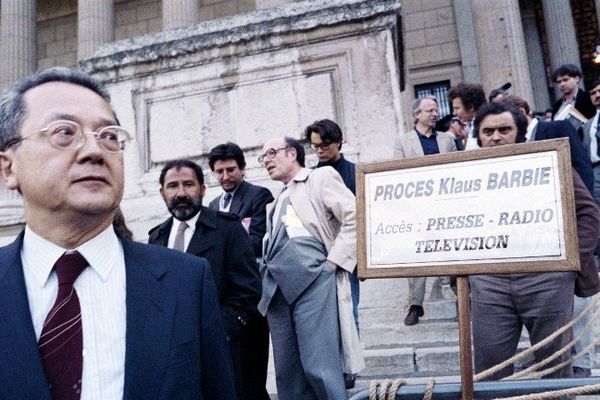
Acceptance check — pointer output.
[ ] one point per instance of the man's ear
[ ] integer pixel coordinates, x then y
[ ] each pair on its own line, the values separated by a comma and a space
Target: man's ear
202, 190
7, 168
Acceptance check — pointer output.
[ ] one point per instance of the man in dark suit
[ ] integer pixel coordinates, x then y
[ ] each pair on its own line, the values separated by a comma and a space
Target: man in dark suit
239, 197
220, 238
568, 77
542, 302
249, 203
541, 130
87, 314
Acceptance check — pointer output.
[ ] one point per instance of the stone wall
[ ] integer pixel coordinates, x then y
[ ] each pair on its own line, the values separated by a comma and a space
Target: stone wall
137, 17
246, 78
211, 9
431, 46
57, 24
57, 41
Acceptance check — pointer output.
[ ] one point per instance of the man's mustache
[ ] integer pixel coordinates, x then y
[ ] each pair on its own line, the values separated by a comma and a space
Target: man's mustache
187, 201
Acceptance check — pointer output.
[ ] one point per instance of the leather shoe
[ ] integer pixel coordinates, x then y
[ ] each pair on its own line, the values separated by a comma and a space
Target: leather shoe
579, 372
414, 312
349, 380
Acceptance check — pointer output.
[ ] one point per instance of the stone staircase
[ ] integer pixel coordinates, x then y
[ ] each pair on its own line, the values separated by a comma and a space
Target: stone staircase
393, 349
414, 353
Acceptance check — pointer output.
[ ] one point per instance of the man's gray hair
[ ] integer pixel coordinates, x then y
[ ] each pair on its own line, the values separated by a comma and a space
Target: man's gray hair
416, 106
12, 106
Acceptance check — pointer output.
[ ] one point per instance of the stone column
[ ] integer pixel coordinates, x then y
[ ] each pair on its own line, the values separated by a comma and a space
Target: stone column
501, 46
539, 84
18, 29
179, 13
560, 31
466, 39
95, 26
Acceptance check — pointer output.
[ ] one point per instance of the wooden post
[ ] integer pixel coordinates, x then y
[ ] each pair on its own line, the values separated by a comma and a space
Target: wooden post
464, 339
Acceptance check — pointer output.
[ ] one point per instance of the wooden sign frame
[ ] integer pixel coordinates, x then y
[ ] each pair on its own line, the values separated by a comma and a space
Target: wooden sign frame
570, 261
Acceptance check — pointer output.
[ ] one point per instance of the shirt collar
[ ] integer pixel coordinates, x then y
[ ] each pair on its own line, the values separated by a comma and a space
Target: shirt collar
232, 191
190, 222
301, 175
573, 99
530, 127
101, 253
433, 133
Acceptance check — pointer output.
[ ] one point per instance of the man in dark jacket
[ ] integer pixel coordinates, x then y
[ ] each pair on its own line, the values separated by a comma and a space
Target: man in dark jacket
249, 203
220, 238
568, 77
543, 302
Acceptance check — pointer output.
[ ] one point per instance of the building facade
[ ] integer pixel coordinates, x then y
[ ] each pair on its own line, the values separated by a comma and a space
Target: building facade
188, 74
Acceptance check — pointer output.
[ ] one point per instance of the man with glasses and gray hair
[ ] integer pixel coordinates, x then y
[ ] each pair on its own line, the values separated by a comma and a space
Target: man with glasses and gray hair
308, 253
422, 140
87, 314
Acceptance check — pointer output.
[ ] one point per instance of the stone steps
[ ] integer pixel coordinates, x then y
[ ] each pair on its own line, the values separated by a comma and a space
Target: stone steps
428, 349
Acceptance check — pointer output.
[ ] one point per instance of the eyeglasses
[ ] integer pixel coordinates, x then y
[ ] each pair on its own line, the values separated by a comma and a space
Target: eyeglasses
270, 154
323, 146
225, 171
69, 135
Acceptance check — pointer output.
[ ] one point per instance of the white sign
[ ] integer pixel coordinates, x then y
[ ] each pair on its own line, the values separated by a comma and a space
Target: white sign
493, 210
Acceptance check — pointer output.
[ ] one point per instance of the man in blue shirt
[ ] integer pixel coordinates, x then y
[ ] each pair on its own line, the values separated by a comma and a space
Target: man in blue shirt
422, 140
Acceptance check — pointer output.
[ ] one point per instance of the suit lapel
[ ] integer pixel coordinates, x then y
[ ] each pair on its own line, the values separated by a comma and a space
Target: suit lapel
442, 141
238, 199
150, 313
201, 241
415, 143
267, 246
160, 236
20, 350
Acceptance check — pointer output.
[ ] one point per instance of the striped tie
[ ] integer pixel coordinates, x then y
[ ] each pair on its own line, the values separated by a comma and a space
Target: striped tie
227, 199
61, 342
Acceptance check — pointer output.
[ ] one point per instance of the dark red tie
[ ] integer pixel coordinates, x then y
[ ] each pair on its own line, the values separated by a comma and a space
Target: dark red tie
61, 342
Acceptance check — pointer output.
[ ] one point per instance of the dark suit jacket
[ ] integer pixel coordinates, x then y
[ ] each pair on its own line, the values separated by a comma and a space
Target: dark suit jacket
220, 238
587, 282
580, 158
250, 201
583, 104
175, 343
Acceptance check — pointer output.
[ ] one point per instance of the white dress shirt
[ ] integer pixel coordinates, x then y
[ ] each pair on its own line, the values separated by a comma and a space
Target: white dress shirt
101, 292
563, 111
594, 139
187, 235
530, 128
471, 140
222, 200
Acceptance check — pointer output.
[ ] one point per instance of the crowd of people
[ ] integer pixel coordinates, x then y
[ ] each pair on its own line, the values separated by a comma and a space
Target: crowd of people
95, 315
502, 304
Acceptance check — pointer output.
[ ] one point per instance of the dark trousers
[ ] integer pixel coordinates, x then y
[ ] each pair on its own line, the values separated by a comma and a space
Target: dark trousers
254, 359
502, 304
